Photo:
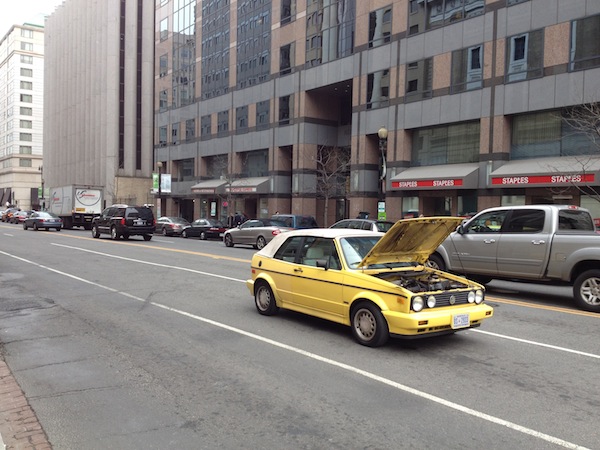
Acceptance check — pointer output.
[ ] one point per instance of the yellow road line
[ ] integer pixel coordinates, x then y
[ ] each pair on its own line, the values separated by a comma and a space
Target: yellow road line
545, 307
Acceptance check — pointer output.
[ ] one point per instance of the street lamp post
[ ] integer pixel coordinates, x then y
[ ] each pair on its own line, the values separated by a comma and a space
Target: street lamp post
159, 165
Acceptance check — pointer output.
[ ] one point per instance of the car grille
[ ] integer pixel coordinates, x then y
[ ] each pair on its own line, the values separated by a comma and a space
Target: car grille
444, 299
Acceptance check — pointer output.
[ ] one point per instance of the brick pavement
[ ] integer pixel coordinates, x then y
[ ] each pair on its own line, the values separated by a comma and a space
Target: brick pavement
19, 426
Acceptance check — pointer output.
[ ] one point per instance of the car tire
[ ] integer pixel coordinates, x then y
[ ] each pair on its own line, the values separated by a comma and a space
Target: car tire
24, 226
95, 232
203, 235
113, 233
57, 229
35, 227
586, 290
369, 327
184, 234
260, 242
147, 237
436, 262
228, 240
164, 231
264, 299
125, 237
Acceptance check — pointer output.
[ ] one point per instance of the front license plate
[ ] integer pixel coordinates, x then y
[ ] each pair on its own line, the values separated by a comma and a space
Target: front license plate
460, 321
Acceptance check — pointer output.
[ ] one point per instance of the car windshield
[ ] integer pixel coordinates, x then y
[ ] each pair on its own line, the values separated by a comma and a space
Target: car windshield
356, 248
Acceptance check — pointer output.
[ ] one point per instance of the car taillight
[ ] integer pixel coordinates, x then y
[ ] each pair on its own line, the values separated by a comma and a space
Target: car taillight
123, 221
275, 232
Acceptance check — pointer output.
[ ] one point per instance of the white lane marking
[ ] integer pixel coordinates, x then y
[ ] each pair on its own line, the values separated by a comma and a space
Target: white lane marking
164, 242
314, 356
167, 266
539, 344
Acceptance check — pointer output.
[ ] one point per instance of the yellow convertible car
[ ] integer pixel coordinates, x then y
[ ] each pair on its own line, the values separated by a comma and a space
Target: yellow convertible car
376, 283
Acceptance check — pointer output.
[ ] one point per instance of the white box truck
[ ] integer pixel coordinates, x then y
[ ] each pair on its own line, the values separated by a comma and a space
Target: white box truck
76, 205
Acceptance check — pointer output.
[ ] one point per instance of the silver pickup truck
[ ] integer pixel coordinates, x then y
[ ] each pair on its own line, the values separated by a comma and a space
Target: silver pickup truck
535, 243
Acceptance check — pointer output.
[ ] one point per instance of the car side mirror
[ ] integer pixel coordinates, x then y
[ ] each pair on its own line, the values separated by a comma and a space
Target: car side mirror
460, 229
323, 263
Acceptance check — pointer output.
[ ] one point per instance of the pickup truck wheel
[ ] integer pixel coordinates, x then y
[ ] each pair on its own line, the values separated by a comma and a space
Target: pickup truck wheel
436, 262
586, 290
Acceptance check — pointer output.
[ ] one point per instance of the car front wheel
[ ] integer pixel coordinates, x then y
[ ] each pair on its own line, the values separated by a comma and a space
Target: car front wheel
147, 237
113, 233
203, 235
586, 290
265, 300
228, 240
164, 231
95, 232
436, 262
369, 327
184, 234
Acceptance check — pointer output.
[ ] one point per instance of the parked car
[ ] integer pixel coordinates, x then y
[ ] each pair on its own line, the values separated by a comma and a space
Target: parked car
171, 226
376, 283
39, 220
8, 213
20, 216
531, 243
254, 232
205, 229
124, 221
296, 221
364, 224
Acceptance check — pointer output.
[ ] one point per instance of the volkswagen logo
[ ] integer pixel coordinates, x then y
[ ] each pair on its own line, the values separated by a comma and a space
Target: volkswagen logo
452, 299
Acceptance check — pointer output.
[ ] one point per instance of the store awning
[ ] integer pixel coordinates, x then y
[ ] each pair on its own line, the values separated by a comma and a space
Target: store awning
449, 176
257, 185
545, 172
214, 186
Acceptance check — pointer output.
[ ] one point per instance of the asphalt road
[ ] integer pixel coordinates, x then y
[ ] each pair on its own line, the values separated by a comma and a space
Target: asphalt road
135, 344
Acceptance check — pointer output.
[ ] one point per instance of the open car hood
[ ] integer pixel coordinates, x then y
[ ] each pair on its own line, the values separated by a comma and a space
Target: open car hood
411, 240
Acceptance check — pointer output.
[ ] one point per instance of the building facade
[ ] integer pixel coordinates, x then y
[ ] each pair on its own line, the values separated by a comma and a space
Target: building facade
98, 98
440, 107
21, 116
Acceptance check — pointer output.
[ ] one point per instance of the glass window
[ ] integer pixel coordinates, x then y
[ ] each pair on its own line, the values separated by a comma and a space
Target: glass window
175, 133
285, 107
380, 26
263, 110
452, 144
490, 222
25, 162
25, 149
223, 122
27, 46
163, 100
591, 203
525, 221
419, 80
286, 58
25, 72
525, 56
378, 89
163, 65
425, 15
25, 111
205, 126
26, 59
186, 169
467, 69
162, 136
27, 85
190, 129
241, 117
288, 11
26, 98
26, 33
573, 219
512, 200
164, 29
255, 163
585, 45
26, 124
514, 2
289, 249
329, 30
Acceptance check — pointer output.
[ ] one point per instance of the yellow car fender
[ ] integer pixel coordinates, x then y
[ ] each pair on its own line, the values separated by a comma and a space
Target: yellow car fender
267, 277
371, 296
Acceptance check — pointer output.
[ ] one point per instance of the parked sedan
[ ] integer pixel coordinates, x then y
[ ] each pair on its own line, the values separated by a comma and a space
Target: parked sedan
20, 216
364, 224
205, 229
254, 232
42, 220
376, 283
8, 213
171, 226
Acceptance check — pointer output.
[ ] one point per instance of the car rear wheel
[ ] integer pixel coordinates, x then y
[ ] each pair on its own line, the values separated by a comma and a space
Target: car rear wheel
57, 229
265, 300
184, 234
164, 231
147, 237
586, 290
369, 327
35, 227
228, 240
95, 232
113, 233
24, 226
260, 242
203, 235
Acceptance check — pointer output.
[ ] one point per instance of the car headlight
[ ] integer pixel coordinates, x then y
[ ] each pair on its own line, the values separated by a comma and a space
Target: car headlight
418, 303
478, 296
430, 301
471, 297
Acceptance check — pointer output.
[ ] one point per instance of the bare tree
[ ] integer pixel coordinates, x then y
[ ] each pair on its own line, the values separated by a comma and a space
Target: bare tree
332, 167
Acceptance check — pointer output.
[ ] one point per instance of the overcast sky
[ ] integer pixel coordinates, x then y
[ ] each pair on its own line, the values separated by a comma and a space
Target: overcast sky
21, 11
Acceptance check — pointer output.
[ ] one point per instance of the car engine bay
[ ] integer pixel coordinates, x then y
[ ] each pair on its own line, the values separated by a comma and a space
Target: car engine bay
421, 281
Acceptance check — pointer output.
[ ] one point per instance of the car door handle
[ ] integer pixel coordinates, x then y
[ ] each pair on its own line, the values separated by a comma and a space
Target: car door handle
540, 242
298, 270
489, 241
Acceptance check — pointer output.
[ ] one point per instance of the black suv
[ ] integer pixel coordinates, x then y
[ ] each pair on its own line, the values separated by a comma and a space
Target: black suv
124, 221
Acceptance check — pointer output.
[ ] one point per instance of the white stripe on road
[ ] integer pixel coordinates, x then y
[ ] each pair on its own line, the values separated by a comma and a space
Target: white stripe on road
364, 373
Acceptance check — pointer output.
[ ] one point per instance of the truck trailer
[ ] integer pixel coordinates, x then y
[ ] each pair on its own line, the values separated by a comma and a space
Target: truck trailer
76, 205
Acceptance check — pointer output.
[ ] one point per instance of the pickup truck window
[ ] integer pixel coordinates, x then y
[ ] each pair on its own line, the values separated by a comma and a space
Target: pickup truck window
570, 219
525, 221
487, 223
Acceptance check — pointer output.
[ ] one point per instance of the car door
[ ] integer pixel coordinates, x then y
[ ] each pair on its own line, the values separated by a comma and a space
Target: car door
247, 232
475, 249
104, 219
316, 290
524, 244
286, 269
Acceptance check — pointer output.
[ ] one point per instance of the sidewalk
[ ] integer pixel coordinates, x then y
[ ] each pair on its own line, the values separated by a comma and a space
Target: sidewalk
19, 427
